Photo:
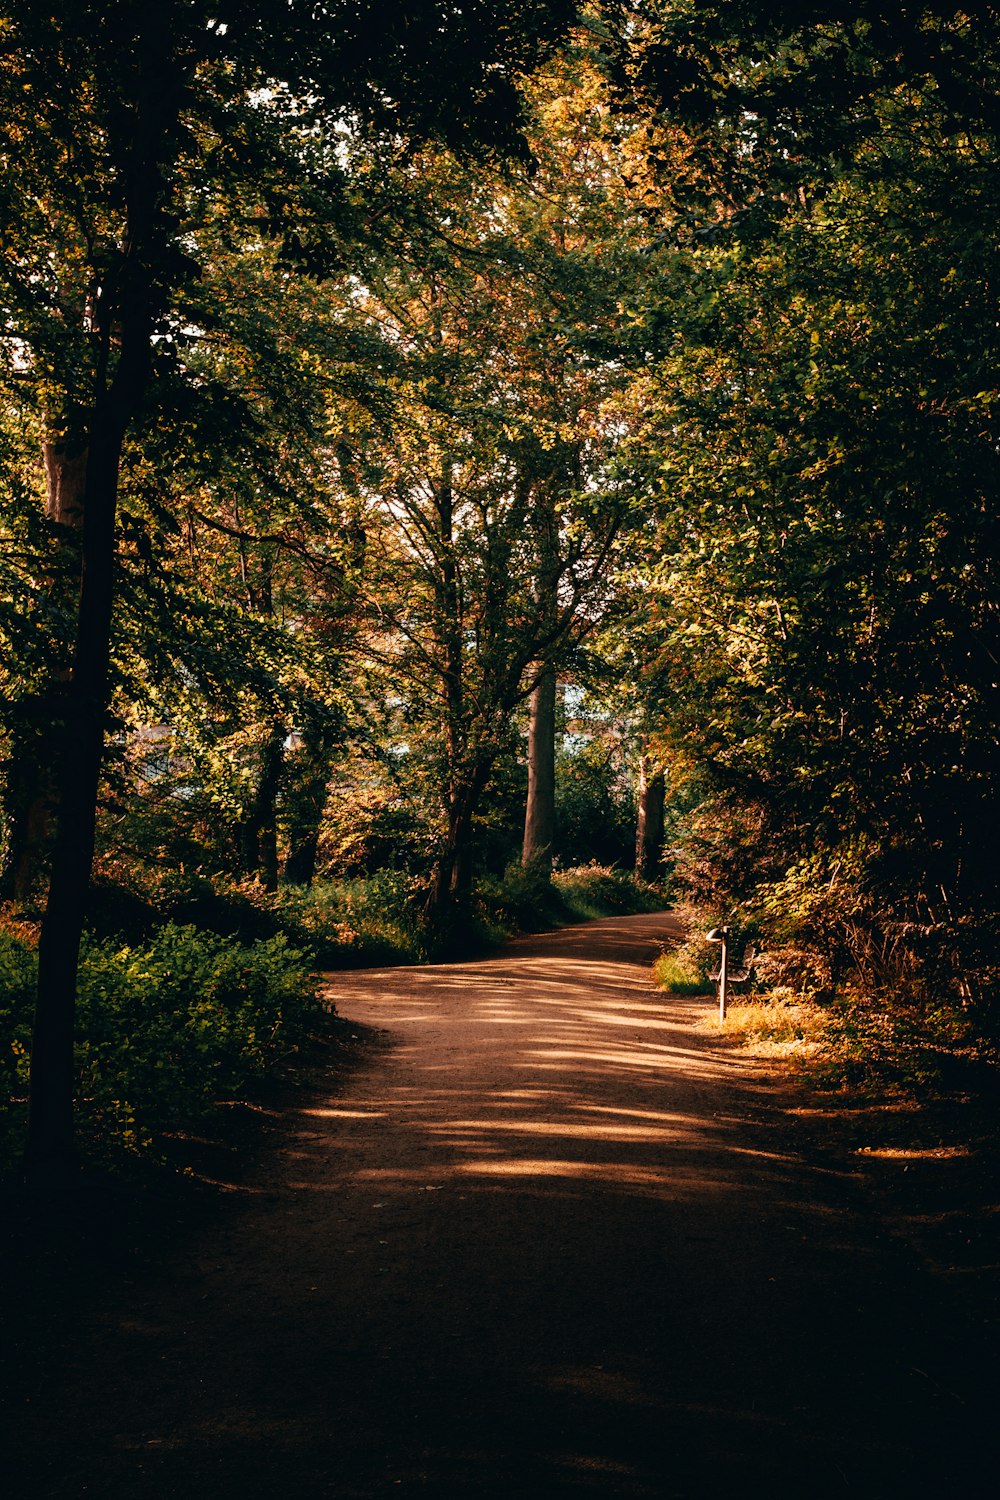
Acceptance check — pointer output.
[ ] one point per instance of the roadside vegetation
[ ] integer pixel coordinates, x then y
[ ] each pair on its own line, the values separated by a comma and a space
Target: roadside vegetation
897, 1062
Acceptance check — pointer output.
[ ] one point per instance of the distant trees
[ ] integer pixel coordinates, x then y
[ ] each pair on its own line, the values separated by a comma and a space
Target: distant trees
492, 509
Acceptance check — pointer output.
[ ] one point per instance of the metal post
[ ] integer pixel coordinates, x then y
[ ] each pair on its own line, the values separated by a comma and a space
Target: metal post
721, 935
723, 974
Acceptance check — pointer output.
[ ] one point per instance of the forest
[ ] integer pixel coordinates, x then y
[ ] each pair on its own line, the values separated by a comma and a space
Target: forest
464, 466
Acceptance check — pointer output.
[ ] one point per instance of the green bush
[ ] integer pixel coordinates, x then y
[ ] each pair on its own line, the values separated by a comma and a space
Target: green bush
528, 900
681, 974
338, 923
166, 1027
520, 900
187, 1018
686, 969
373, 919
599, 891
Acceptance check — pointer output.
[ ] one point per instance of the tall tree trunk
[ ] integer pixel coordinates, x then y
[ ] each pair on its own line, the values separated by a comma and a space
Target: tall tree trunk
270, 782
122, 318
452, 874
451, 885
306, 803
649, 835
540, 807
461, 863
65, 482
303, 846
27, 815
451, 881
50, 1151
28, 775
540, 810
259, 834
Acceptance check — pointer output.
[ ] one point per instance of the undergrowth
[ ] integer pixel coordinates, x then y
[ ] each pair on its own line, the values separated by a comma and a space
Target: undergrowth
528, 900
778, 1025
165, 1029
845, 1037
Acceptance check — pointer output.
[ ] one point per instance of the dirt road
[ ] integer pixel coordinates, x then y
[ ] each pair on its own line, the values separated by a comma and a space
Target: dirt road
549, 1240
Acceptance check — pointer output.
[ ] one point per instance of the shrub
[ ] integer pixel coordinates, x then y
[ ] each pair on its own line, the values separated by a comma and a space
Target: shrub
685, 969
601, 891
166, 1027
373, 919
678, 973
174, 1024
528, 900
781, 1025
521, 900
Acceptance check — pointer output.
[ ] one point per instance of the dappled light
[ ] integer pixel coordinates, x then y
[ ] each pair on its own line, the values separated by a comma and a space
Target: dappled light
471, 473
609, 1053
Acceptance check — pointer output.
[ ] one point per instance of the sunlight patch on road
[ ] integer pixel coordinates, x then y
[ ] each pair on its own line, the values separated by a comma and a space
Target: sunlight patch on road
345, 1114
571, 1132
642, 1114
621, 1174
665, 1058
625, 1018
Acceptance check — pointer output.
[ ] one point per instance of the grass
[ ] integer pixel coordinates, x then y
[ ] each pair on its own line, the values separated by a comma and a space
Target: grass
676, 973
780, 1025
865, 1045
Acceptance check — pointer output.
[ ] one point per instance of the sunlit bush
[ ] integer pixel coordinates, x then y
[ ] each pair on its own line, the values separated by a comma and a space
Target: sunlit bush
167, 1027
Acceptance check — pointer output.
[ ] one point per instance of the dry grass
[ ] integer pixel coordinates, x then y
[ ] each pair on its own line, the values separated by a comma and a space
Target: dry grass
779, 1024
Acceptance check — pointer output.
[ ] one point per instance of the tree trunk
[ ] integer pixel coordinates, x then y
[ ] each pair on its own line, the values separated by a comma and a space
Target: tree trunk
65, 482
305, 807
28, 780
259, 834
649, 835
451, 886
267, 807
461, 864
540, 811
50, 1151
540, 807
28, 818
452, 880
303, 848
124, 319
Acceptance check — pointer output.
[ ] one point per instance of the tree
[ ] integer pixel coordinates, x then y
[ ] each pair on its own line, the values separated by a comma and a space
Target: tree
649, 831
492, 491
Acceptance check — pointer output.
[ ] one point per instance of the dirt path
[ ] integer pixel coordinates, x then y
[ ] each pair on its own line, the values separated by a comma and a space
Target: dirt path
549, 1240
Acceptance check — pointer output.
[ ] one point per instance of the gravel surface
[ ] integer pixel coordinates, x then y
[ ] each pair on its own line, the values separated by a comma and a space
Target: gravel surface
547, 1239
